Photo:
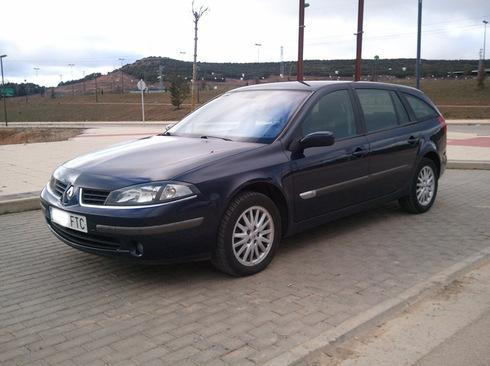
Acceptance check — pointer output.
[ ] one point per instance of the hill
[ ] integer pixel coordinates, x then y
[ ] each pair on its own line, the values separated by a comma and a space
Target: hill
148, 68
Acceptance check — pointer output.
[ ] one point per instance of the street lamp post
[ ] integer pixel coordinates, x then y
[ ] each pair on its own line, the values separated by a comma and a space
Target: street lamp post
122, 74
258, 45
72, 81
485, 22
3, 91
481, 64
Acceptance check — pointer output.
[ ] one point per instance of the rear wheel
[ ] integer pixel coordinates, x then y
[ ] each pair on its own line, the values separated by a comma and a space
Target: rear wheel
423, 188
248, 235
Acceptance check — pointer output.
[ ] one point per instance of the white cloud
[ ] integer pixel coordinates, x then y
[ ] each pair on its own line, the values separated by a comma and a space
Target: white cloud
94, 34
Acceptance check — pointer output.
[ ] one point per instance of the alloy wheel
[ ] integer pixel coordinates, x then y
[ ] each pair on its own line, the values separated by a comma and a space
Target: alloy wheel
253, 236
426, 183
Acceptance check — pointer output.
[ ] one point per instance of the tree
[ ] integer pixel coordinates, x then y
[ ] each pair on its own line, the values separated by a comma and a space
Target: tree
179, 91
197, 14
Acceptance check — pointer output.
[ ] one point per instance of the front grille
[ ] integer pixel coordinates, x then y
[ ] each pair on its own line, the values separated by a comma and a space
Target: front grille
58, 187
86, 240
94, 196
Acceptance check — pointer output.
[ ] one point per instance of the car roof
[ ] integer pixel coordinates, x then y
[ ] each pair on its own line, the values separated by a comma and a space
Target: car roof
313, 85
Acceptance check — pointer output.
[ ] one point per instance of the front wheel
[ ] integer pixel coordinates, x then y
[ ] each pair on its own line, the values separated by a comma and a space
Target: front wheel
423, 188
248, 235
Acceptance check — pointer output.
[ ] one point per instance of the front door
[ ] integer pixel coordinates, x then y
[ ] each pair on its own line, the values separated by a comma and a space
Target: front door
333, 177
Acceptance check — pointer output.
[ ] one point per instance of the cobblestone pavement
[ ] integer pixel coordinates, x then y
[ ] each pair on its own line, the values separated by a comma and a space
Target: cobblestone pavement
62, 306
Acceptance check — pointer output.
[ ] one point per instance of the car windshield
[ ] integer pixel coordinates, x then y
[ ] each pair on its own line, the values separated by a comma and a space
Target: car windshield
253, 116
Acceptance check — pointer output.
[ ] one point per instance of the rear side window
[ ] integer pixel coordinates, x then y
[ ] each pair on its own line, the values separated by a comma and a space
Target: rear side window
333, 112
378, 109
400, 109
421, 109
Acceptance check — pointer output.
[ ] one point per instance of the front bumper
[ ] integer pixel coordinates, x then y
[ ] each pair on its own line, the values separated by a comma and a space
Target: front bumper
180, 231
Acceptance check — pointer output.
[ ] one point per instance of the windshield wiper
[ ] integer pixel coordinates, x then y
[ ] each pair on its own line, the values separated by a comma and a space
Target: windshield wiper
215, 137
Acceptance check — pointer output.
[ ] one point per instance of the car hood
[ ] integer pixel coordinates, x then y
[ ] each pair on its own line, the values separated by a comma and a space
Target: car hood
149, 159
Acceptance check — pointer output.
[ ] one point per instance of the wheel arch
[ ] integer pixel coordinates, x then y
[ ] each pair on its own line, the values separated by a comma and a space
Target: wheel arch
272, 191
432, 155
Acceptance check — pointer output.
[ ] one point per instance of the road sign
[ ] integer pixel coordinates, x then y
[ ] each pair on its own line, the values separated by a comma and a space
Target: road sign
7, 92
142, 88
141, 85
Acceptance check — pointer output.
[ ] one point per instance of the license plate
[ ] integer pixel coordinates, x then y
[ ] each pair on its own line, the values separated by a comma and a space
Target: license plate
69, 220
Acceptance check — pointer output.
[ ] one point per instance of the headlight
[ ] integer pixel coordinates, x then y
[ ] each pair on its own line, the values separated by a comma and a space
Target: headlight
151, 193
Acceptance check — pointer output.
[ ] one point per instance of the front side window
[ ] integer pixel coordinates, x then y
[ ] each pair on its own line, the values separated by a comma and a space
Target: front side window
378, 109
421, 109
253, 116
333, 112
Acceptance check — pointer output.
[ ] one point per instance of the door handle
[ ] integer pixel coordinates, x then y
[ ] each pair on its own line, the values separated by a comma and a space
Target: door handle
359, 152
412, 140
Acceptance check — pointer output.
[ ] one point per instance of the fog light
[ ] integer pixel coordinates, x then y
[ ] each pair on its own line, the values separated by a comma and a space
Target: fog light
138, 250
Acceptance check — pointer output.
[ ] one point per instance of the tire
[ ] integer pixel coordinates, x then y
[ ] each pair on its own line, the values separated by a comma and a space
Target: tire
419, 204
235, 237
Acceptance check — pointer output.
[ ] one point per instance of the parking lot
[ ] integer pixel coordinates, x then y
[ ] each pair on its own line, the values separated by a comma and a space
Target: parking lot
59, 305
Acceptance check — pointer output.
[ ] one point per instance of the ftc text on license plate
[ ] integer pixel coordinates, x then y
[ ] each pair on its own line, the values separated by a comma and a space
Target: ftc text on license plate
69, 220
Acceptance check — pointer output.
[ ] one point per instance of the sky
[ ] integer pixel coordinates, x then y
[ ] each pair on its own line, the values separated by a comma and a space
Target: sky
93, 35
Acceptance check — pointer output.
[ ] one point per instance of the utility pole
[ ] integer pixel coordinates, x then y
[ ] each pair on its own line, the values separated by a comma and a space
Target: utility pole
122, 74
418, 65
197, 14
360, 21
83, 81
4, 97
301, 36
72, 83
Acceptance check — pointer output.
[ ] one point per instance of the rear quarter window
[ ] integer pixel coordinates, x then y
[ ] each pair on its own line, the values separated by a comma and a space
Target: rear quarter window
421, 109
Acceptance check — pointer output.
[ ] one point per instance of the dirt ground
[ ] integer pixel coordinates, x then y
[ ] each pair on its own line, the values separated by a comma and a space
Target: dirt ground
457, 99
10, 136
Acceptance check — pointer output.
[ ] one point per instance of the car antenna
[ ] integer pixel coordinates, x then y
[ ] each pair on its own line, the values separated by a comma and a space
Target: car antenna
304, 82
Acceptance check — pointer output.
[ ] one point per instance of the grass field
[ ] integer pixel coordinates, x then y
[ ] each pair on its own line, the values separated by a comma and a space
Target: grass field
457, 99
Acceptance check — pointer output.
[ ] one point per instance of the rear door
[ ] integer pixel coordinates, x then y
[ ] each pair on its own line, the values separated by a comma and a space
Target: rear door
393, 141
331, 177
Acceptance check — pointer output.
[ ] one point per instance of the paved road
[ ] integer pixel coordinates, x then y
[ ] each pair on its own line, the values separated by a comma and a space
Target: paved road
58, 305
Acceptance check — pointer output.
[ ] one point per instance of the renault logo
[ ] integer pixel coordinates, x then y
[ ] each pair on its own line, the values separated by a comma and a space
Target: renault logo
69, 192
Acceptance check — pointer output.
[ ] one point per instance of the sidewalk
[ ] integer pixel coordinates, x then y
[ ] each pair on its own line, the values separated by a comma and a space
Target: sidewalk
26, 168
450, 328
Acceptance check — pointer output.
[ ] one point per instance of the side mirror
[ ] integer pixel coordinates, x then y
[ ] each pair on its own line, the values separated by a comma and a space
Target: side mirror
314, 139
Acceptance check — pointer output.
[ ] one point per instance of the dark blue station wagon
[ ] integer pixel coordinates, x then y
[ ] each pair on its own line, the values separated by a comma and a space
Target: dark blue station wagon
258, 163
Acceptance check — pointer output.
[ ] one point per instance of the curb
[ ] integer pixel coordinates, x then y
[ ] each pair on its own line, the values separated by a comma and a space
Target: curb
468, 164
378, 313
90, 124
19, 204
